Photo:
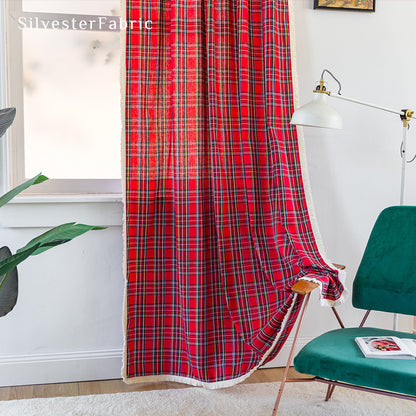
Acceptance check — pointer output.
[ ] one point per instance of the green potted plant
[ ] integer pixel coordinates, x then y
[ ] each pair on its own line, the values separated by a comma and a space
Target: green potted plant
51, 238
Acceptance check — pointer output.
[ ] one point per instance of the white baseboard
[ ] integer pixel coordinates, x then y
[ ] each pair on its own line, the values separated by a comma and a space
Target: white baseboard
18, 370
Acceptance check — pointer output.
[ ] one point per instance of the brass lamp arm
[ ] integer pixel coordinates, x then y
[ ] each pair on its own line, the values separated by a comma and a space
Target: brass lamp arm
405, 115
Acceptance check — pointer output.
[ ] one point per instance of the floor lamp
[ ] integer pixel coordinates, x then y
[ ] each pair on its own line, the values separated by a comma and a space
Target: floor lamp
318, 113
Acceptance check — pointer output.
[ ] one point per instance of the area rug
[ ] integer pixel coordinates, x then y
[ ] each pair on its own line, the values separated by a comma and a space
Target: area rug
241, 400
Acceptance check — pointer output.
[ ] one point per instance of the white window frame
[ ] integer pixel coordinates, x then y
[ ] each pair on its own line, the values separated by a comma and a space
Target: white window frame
12, 157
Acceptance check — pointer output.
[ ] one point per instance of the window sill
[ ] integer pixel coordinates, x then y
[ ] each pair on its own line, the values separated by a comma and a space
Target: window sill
39, 211
66, 198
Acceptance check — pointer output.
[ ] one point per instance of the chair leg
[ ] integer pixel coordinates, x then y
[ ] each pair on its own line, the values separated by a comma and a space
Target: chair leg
330, 390
341, 324
292, 352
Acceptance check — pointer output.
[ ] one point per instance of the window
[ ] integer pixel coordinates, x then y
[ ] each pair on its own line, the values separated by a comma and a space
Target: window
63, 60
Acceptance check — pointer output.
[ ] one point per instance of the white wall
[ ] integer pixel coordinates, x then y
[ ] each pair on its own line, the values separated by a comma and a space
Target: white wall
355, 172
67, 324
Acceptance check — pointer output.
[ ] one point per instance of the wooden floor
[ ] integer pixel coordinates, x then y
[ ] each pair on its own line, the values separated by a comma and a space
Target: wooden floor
118, 386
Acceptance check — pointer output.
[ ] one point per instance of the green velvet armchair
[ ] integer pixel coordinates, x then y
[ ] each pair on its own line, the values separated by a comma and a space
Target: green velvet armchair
385, 281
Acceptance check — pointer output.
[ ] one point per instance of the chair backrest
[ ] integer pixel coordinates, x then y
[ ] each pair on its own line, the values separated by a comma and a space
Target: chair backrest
386, 277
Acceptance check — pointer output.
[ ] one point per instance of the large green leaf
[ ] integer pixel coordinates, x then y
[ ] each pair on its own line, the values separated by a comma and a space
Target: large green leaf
11, 262
9, 285
57, 236
11, 194
7, 116
52, 238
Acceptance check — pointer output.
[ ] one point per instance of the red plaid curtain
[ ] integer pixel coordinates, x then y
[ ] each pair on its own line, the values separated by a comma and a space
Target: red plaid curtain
217, 228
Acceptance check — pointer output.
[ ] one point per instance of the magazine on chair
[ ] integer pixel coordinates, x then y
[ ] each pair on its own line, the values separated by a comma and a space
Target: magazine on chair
387, 347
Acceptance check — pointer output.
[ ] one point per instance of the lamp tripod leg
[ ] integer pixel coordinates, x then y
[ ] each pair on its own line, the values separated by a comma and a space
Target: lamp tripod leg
403, 155
402, 182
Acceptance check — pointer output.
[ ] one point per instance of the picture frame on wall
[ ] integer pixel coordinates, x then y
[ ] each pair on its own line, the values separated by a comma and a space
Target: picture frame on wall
359, 5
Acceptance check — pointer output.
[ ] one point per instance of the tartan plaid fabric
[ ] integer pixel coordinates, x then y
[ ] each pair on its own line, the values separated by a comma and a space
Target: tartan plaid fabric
217, 228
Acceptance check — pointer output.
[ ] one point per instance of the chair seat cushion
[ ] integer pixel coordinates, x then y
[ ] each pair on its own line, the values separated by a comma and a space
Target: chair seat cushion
335, 356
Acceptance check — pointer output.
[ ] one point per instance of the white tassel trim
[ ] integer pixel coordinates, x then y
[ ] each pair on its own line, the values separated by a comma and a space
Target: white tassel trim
328, 302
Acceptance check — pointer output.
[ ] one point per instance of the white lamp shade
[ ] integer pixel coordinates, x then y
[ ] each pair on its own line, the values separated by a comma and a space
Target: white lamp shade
317, 113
